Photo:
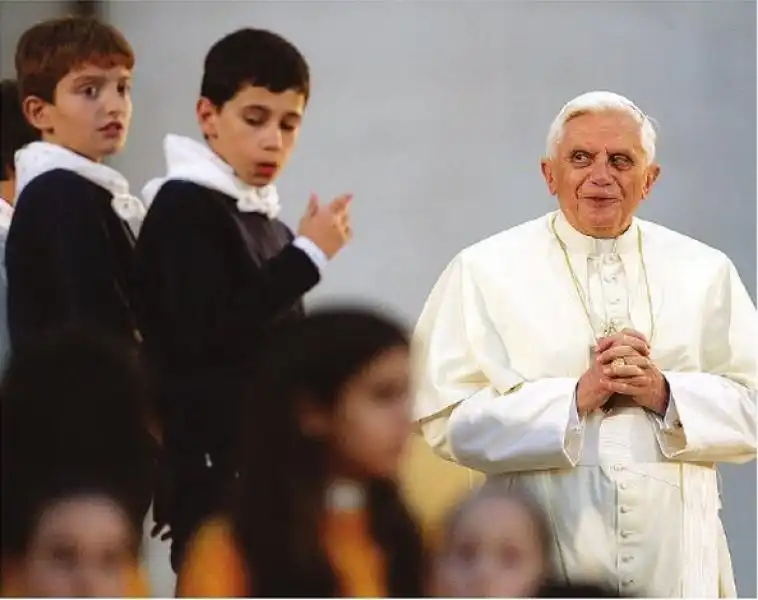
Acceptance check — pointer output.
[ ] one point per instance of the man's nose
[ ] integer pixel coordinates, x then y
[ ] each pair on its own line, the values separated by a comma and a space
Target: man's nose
601, 173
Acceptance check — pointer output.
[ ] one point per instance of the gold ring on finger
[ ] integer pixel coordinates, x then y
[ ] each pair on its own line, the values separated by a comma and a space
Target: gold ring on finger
618, 362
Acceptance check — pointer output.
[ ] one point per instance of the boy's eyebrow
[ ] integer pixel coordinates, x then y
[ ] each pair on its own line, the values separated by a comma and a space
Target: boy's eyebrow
100, 77
92, 78
88, 79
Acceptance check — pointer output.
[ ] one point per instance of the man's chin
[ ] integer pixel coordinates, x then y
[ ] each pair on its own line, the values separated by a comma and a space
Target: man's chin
603, 228
607, 222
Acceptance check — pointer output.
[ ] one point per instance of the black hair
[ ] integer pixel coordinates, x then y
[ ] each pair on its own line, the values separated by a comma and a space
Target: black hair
278, 506
253, 57
15, 130
73, 402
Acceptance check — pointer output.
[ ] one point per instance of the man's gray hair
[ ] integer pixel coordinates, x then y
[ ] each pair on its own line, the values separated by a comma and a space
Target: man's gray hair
595, 102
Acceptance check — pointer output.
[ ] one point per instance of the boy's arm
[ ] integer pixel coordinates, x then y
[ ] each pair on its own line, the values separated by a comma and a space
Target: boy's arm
203, 292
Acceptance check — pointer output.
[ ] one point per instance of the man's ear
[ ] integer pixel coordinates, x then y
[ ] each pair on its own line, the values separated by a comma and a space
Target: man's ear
546, 166
651, 176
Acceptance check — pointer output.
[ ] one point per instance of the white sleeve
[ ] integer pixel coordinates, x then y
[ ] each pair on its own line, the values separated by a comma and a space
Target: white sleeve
712, 414
472, 407
534, 428
315, 253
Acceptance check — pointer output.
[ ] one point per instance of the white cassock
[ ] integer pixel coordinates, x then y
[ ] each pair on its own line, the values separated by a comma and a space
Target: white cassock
632, 497
6, 213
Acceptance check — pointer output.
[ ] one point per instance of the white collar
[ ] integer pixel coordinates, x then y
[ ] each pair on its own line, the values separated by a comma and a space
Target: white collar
577, 242
345, 496
40, 157
190, 160
6, 213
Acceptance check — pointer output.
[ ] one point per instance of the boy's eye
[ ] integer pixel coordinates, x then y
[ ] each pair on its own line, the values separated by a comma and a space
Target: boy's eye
290, 123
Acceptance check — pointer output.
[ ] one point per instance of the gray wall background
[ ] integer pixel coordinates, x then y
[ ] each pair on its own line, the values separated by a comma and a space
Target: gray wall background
15, 17
435, 113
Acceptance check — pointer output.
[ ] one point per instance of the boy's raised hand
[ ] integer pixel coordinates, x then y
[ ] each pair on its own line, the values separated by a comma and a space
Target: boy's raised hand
327, 226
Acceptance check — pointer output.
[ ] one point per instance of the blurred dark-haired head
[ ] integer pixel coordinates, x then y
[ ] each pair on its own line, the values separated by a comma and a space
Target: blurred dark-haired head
72, 536
335, 388
73, 379
331, 402
75, 401
254, 91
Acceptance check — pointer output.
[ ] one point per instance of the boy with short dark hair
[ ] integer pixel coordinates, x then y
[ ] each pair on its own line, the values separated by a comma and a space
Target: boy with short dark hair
216, 269
70, 247
15, 133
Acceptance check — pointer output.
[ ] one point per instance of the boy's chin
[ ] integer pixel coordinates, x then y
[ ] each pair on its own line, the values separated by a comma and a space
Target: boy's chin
113, 147
104, 151
259, 180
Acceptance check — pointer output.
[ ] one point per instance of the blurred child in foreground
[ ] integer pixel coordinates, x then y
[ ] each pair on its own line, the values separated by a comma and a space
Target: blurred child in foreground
317, 512
74, 432
495, 544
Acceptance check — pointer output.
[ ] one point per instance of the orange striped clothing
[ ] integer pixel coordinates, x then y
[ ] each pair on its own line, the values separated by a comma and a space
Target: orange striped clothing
214, 566
13, 587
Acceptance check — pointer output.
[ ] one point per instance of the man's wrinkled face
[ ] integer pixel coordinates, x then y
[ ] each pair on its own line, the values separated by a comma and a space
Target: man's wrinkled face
600, 173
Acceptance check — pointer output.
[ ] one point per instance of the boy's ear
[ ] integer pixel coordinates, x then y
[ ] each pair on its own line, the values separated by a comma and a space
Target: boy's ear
39, 113
207, 118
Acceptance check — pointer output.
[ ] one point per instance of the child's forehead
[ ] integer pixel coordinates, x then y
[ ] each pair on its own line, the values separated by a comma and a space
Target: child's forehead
289, 100
482, 510
99, 68
487, 504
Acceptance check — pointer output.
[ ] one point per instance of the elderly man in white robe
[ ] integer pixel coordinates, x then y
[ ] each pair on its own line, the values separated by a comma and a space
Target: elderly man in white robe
603, 363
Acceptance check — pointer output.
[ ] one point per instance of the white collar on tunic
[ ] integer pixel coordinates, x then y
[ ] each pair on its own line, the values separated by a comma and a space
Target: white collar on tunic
344, 495
40, 157
6, 213
189, 160
578, 243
